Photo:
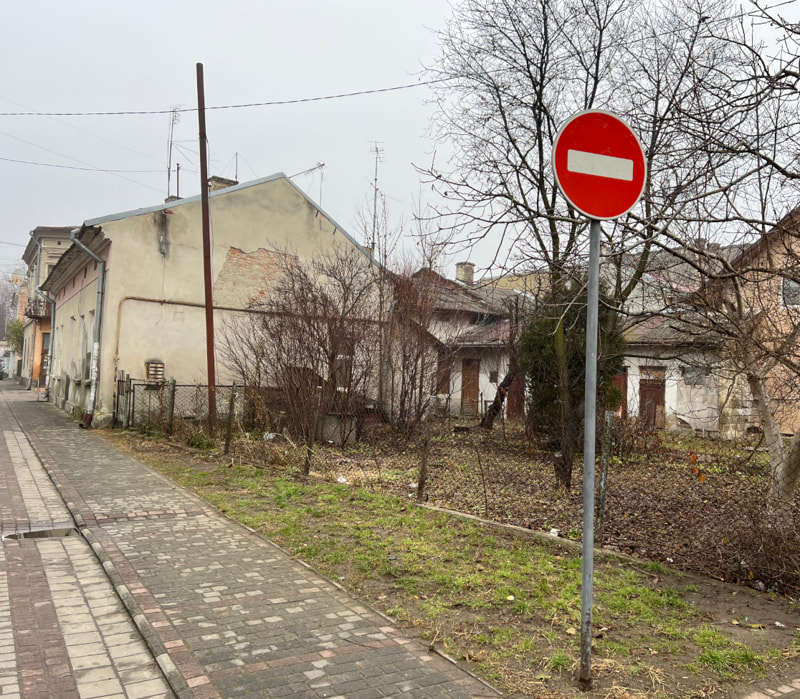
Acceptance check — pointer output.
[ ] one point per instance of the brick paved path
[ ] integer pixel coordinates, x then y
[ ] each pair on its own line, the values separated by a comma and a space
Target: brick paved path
224, 612
63, 631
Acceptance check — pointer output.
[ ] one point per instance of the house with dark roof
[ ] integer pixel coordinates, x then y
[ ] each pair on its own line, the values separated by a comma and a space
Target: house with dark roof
677, 369
471, 325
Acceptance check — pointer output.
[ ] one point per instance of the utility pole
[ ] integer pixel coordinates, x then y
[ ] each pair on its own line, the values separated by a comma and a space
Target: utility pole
209, 301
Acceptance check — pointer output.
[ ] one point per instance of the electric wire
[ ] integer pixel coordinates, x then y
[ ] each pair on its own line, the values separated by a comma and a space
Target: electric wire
275, 103
82, 162
75, 167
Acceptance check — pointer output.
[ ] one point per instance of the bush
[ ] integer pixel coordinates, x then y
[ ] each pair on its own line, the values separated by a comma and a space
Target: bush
199, 440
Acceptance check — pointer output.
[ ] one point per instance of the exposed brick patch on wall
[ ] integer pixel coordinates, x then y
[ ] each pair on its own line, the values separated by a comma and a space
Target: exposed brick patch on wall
246, 276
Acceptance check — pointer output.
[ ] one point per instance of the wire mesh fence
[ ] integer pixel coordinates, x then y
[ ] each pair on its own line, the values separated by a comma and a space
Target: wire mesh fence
701, 504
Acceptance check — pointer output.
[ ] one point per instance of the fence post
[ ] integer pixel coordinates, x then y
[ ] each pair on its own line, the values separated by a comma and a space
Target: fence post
601, 498
170, 405
126, 397
422, 479
229, 430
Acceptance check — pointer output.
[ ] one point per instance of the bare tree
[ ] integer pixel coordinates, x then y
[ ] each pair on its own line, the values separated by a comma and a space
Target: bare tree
509, 75
314, 341
415, 357
747, 301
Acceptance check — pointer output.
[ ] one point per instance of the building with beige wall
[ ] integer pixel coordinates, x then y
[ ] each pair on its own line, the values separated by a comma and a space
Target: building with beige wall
44, 249
149, 310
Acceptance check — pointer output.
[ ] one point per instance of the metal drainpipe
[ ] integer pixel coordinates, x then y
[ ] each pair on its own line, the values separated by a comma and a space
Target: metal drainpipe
34, 321
86, 423
51, 351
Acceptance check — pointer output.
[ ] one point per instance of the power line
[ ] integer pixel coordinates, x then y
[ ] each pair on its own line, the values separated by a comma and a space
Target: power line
82, 162
226, 106
75, 167
89, 133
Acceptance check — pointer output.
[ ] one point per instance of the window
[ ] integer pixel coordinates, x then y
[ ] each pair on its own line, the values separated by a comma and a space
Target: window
443, 373
694, 375
791, 293
343, 372
493, 377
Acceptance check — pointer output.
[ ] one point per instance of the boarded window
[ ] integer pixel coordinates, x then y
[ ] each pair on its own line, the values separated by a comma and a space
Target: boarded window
343, 371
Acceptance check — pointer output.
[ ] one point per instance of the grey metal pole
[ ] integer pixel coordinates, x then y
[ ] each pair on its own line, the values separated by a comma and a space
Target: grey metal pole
589, 419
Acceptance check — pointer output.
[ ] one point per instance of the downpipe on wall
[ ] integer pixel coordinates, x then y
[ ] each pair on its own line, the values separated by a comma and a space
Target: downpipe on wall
51, 349
94, 375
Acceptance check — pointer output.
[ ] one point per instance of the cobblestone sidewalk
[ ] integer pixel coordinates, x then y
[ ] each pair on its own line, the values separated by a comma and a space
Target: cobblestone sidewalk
63, 630
225, 612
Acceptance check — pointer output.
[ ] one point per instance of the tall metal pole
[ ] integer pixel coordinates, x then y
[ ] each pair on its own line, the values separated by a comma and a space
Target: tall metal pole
209, 301
589, 417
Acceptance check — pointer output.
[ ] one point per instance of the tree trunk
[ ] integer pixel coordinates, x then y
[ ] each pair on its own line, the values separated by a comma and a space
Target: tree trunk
784, 467
500, 397
569, 426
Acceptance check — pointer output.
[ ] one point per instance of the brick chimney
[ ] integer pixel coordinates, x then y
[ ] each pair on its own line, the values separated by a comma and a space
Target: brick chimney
216, 182
465, 272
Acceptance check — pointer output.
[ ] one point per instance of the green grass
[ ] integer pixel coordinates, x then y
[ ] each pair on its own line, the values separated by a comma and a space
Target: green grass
510, 605
727, 658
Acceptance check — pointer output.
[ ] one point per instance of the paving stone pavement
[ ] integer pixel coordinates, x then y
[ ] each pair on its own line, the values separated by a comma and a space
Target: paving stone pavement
63, 630
224, 612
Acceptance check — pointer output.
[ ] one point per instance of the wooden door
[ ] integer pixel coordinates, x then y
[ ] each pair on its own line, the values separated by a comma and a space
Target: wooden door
652, 389
470, 371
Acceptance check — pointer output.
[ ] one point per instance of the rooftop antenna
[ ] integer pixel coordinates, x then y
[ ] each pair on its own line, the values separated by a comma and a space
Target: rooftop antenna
174, 118
378, 150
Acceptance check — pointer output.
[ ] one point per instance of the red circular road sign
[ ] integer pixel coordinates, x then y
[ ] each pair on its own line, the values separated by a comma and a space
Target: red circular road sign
599, 164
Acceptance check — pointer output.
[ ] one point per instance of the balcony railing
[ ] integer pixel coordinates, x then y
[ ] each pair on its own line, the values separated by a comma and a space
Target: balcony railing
37, 309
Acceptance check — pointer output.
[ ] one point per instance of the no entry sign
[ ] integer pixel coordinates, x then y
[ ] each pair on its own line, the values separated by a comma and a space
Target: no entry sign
599, 164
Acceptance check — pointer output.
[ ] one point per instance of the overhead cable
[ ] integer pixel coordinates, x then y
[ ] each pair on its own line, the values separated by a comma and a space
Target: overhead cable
224, 106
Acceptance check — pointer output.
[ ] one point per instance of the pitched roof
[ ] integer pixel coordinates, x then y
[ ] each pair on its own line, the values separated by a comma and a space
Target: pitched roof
679, 330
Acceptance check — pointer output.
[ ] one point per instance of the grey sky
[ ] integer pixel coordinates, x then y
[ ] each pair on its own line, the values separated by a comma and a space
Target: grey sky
111, 56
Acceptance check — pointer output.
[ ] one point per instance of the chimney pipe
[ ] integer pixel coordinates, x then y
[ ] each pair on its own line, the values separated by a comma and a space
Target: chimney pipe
465, 272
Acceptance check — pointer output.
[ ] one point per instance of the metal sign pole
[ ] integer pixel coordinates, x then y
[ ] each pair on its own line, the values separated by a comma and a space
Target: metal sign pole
589, 419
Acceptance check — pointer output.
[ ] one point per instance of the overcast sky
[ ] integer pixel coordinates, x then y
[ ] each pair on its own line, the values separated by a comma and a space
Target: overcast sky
99, 56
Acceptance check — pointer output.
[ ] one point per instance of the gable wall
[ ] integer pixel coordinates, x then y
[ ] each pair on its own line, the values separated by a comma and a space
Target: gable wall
157, 256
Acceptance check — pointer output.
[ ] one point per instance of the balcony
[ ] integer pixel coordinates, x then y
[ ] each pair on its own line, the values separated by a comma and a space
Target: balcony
37, 309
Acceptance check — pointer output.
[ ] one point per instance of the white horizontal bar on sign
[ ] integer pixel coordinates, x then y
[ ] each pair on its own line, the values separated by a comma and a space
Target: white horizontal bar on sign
600, 165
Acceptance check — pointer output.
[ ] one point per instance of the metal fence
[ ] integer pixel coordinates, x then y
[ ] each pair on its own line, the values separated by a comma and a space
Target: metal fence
167, 407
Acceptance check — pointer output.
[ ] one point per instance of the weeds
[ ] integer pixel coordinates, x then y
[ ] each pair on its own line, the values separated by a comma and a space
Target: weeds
508, 605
